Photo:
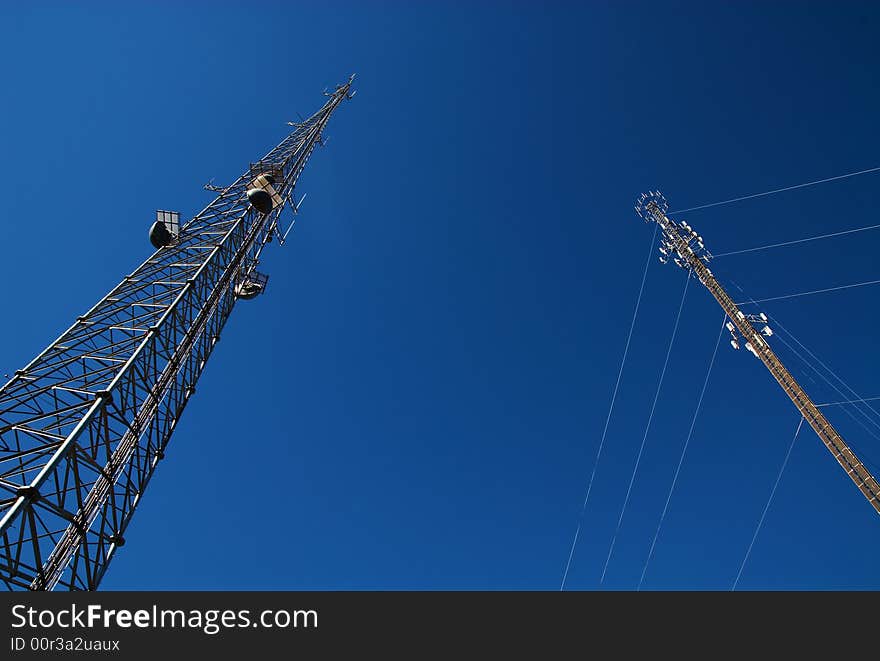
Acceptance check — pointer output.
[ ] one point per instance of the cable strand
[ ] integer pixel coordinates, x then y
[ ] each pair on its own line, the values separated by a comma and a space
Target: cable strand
853, 393
683, 452
791, 243
767, 506
777, 190
810, 293
849, 401
647, 428
632, 325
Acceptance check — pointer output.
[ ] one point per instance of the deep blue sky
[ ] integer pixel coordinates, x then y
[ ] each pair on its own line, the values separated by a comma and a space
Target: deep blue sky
417, 401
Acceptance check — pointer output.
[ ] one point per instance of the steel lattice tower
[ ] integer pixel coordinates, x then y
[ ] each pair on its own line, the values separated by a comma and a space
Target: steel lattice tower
84, 425
684, 246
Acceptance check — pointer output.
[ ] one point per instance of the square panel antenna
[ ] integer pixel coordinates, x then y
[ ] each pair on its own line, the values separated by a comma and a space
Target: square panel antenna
166, 228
